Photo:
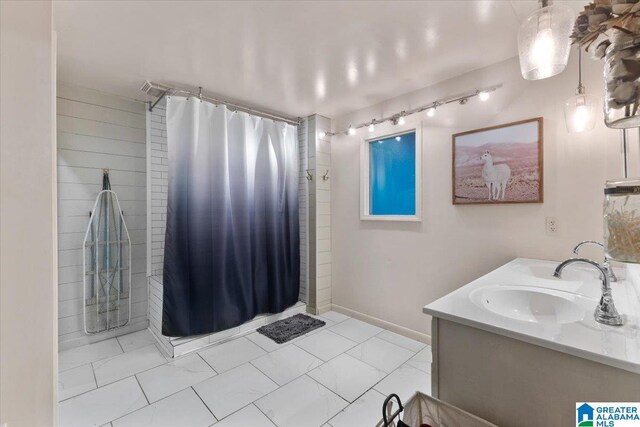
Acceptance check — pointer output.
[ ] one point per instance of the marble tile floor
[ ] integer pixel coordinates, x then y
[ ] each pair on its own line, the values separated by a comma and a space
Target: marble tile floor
335, 376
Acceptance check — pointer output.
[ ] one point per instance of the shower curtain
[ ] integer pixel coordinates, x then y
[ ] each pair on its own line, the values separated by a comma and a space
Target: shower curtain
232, 235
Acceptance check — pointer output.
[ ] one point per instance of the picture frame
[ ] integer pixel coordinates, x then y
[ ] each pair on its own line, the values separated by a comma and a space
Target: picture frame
500, 164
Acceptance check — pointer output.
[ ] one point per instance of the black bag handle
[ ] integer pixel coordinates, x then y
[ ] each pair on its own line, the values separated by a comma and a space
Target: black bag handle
387, 422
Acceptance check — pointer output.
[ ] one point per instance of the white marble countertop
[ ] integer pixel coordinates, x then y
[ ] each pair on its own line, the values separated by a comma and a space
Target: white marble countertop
614, 346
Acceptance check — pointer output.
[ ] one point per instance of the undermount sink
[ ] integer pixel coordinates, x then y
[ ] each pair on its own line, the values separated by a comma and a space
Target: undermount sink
534, 304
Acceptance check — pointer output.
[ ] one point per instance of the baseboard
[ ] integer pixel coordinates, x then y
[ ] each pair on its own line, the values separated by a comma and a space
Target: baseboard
409, 333
324, 308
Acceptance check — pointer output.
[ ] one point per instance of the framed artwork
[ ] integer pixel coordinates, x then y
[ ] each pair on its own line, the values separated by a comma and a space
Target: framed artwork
391, 171
499, 164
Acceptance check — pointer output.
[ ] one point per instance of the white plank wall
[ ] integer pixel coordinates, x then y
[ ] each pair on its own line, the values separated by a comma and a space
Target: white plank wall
98, 131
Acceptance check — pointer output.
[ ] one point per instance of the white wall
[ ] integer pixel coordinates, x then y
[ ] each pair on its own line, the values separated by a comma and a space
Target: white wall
391, 270
28, 356
98, 131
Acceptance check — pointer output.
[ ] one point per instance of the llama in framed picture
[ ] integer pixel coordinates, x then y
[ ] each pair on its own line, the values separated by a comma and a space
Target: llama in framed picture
499, 164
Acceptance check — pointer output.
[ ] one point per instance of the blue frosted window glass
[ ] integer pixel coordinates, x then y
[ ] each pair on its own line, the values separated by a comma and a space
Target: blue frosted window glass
392, 175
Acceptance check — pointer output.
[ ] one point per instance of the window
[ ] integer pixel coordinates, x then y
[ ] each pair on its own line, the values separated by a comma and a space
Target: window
391, 177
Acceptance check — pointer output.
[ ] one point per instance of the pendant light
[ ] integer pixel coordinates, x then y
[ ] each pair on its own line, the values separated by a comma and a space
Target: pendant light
580, 110
543, 41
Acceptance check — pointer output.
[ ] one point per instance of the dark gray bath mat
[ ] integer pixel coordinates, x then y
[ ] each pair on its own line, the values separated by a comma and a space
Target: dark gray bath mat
290, 328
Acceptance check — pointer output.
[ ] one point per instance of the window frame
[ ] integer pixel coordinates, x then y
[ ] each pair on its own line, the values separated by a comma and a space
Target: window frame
365, 196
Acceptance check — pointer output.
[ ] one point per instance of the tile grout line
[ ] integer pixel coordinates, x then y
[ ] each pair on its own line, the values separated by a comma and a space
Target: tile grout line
141, 389
203, 402
120, 344
207, 363
262, 412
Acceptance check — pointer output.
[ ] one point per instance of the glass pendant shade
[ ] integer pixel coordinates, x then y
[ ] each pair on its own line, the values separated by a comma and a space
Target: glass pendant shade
543, 42
580, 113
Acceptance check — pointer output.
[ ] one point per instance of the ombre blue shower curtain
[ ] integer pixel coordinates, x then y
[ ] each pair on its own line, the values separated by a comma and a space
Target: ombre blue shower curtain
232, 246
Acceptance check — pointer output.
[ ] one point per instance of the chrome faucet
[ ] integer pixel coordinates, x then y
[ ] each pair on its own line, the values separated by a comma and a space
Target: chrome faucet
606, 312
605, 265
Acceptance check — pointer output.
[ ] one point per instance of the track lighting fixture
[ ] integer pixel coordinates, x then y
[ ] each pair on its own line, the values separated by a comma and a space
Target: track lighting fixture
400, 118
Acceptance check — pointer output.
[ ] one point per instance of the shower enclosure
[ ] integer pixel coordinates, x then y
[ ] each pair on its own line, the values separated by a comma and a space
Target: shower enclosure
252, 140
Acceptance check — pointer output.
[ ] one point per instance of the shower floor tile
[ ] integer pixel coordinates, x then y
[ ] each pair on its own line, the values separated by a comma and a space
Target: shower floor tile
127, 364
404, 382
335, 317
356, 330
267, 344
326, 345
286, 364
181, 409
363, 412
78, 356
249, 416
226, 393
402, 341
75, 381
347, 376
381, 354
136, 340
422, 360
165, 380
302, 402
223, 357
102, 405
248, 381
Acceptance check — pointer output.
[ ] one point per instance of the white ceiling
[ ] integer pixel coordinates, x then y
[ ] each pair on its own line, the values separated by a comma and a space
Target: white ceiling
296, 58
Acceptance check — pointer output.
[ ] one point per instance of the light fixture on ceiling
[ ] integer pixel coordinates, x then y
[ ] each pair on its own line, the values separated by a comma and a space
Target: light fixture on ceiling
401, 120
580, 110
483, 96
543, 41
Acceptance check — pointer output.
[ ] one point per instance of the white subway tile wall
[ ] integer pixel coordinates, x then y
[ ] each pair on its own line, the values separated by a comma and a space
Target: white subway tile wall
319, 214
98, 131
159, 181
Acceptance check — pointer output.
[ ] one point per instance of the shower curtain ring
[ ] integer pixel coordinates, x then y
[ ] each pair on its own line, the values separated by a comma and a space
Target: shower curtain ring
325, 177
309, 176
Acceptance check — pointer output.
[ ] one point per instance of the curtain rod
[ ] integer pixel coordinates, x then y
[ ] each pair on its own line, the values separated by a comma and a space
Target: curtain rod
161, 91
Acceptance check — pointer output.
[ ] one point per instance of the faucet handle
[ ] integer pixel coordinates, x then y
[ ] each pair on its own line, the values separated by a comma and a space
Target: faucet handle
576, 249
